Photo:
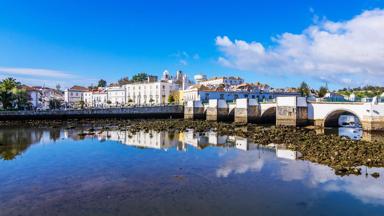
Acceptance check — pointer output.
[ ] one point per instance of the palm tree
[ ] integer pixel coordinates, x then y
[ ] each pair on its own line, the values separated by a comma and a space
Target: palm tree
6, 95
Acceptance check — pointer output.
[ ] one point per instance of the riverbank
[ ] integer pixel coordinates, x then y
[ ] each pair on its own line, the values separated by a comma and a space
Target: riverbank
345, 156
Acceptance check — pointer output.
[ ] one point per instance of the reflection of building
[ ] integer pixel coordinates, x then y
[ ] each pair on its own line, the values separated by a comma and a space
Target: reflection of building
195, 139
244, 144
283, 152
141, 139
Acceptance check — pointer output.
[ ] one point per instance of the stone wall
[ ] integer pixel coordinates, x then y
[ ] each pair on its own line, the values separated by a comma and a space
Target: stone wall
193, 113
175, 111
291, 116
247, 115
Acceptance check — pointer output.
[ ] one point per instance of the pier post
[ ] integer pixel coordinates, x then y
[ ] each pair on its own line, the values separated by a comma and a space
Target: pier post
247, 110
194, 110
291, 111
217, 110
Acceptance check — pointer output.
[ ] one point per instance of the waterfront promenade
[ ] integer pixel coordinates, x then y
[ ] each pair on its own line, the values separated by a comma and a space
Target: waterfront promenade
167, 111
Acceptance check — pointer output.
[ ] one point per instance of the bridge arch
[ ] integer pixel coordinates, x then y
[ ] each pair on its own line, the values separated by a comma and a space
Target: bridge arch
331, 119
269, 115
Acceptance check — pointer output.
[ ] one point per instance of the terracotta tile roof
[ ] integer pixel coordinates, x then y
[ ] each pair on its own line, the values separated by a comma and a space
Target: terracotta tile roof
27, 88
78, 88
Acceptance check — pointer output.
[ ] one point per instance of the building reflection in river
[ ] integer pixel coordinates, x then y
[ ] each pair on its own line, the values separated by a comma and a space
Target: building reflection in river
183, 140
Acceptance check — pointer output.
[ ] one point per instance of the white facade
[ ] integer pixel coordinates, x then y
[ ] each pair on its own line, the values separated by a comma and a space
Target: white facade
116, 95
34, 98
96, 98
48, 94
74, 95
223, 80
149, 92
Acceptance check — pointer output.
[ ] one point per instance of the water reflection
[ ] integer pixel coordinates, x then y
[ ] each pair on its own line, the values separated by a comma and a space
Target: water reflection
353, 133
226, 172
14, 142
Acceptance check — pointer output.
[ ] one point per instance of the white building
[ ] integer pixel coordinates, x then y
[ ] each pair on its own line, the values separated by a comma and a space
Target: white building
48, 94
200, 78
74, 95
116, 95
96, 98
227, 81
34, 96
149, 92
204, 94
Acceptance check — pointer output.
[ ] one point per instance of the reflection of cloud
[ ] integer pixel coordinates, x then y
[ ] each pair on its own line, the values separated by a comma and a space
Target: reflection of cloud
315, 176
244, 162
368, 190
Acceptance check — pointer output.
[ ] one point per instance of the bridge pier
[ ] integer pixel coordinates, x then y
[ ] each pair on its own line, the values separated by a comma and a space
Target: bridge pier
373, 124
246, 111
291, 111
217, 110
194, 110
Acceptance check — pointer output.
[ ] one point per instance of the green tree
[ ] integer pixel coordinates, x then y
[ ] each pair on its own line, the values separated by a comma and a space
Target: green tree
21, 98
6, 95
304, 89
102, 83
140, 77
123, 81
323, 91
171, 99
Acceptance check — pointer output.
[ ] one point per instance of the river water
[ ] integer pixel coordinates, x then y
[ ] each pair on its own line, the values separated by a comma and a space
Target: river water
57, 172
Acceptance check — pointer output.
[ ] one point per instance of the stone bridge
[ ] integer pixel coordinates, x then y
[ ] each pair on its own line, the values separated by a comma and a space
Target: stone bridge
292, 111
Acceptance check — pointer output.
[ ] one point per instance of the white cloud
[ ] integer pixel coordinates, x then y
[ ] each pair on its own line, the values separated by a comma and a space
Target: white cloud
47, 77
345, 52
35, 72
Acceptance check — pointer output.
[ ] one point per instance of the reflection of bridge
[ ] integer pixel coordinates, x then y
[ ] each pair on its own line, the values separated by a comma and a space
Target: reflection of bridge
294, 111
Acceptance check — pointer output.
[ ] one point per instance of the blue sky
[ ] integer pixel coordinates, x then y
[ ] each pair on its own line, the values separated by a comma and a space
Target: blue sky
77, 41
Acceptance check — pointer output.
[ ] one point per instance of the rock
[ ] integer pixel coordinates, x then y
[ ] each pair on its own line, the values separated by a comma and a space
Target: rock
375, 175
